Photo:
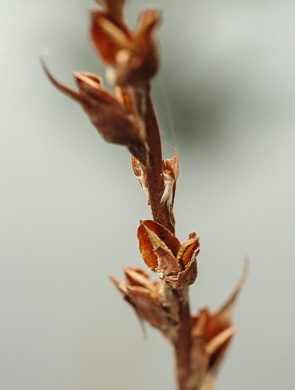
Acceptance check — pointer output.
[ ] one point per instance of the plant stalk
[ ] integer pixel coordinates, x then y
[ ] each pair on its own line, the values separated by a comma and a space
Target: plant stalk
155, 182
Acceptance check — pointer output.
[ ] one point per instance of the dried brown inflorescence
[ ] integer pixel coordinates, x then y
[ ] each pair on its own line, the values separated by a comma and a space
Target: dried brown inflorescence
116, 121
174, 263
131, 56
128, 118
211, 333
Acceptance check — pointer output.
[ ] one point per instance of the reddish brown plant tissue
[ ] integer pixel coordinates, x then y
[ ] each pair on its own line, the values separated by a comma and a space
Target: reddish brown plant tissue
174, 263
131, 56
128, 118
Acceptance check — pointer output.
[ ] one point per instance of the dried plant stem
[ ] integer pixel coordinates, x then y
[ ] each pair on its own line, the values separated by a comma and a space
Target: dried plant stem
153, 171
155, 182
183, 343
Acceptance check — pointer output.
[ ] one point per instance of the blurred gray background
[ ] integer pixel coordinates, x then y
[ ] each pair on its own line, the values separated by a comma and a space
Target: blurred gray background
70, 205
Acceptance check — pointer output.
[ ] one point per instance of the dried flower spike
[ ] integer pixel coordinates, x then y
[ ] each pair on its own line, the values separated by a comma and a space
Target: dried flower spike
128, 118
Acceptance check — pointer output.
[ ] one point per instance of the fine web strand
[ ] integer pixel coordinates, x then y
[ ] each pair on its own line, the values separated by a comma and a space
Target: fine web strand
167, 110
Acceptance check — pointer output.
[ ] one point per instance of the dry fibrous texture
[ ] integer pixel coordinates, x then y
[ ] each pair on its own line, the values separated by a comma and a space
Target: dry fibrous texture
127, 118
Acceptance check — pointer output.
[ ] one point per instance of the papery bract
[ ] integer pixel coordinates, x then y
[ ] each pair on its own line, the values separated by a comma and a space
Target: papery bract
145, 297
111, 118
211, 337
132, 56
162, 252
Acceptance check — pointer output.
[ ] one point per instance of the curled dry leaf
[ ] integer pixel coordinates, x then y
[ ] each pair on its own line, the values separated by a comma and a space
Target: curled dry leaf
132, 56
111, 118
162, 252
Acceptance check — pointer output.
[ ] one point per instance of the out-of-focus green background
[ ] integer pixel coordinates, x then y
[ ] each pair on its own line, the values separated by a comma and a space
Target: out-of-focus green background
70, 205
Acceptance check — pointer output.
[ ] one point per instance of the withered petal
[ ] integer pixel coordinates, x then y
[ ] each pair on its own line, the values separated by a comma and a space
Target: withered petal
153, 238
136, 167
113, 7
164, 234
132, 270
146, 248
147, 307
188, 250
214, 344
207, 357
216, 329
141, 177
117, 34
132, 57
87, 80
166, 263
109, 36
183, 278
171, 165
66, 90
118, 284
199, 323
139, 277
126, 96
148, 21
146, 46
217, 357
90, 86
114, 123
